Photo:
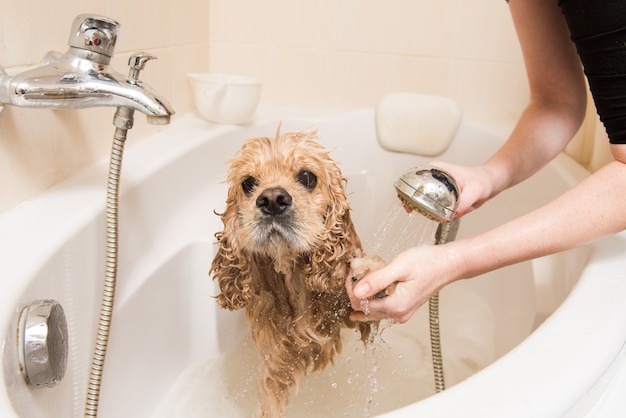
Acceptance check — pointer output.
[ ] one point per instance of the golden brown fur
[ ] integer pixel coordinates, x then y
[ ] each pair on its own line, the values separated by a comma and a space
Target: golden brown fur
284, 255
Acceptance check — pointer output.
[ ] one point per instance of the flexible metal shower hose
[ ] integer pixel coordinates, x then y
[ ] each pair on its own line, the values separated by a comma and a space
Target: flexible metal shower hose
435, 342
445, 232
110, 276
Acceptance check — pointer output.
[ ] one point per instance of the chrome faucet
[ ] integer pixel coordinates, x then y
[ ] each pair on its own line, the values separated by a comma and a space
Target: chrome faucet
82, 77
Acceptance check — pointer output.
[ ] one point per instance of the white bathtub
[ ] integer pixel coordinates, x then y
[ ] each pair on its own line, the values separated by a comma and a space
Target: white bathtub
552, 331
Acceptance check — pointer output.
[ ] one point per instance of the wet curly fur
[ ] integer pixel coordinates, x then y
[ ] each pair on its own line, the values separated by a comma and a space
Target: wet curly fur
284, 255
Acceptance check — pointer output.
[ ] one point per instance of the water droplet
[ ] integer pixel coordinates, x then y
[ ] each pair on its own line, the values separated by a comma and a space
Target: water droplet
365, 306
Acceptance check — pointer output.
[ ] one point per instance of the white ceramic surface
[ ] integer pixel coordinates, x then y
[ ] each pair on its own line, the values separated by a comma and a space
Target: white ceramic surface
557, 328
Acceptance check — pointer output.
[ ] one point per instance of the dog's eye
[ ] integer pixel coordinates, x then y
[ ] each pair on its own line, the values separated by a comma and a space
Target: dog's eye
249, 184
307, 179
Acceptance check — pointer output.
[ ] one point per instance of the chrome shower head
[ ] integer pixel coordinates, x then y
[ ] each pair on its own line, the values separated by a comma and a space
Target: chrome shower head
430, 190
434, 193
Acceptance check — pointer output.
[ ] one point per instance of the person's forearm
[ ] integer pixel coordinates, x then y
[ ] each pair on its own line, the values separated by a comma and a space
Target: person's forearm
557, 94
542, 132
589, 211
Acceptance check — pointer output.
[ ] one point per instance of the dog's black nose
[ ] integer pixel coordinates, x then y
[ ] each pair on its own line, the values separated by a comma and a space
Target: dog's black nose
274, 201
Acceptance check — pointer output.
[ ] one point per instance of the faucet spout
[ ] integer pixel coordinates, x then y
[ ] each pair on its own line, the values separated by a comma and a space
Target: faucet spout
73, 82
82, 77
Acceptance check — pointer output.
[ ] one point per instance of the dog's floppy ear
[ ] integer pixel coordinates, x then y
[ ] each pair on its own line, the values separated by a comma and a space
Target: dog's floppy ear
340, 243
231, 268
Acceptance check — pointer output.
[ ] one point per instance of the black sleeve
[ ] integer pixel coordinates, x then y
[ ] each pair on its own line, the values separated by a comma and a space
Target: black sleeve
598, 29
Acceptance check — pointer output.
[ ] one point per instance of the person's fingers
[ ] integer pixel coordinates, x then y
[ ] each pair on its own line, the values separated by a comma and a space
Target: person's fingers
373, 283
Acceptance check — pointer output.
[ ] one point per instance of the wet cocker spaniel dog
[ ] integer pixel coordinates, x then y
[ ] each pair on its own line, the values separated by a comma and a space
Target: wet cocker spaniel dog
284, 255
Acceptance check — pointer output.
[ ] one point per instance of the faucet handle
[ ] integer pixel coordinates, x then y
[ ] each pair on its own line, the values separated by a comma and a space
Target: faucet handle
94, 34
137, 62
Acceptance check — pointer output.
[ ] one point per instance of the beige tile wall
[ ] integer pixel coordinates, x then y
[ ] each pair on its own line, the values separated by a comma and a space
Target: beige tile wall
349, 53
308, 53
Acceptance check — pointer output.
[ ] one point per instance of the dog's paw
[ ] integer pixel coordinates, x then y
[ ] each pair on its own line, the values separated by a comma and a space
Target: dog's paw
362, 266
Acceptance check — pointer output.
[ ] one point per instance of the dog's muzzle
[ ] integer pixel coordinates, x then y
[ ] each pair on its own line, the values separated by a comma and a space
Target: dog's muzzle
276, 218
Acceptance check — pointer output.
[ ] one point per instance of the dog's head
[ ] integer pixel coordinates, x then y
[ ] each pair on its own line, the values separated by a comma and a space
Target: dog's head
284, 195
286, 205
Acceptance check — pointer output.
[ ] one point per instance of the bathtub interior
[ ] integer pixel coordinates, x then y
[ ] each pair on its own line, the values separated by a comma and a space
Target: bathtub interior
166, 323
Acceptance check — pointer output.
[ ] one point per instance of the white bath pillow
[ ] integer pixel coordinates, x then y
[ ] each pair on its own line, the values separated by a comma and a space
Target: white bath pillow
417, 123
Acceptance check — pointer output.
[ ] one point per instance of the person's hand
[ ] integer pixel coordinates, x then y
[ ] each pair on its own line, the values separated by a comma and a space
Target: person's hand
476, 185
418, 272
